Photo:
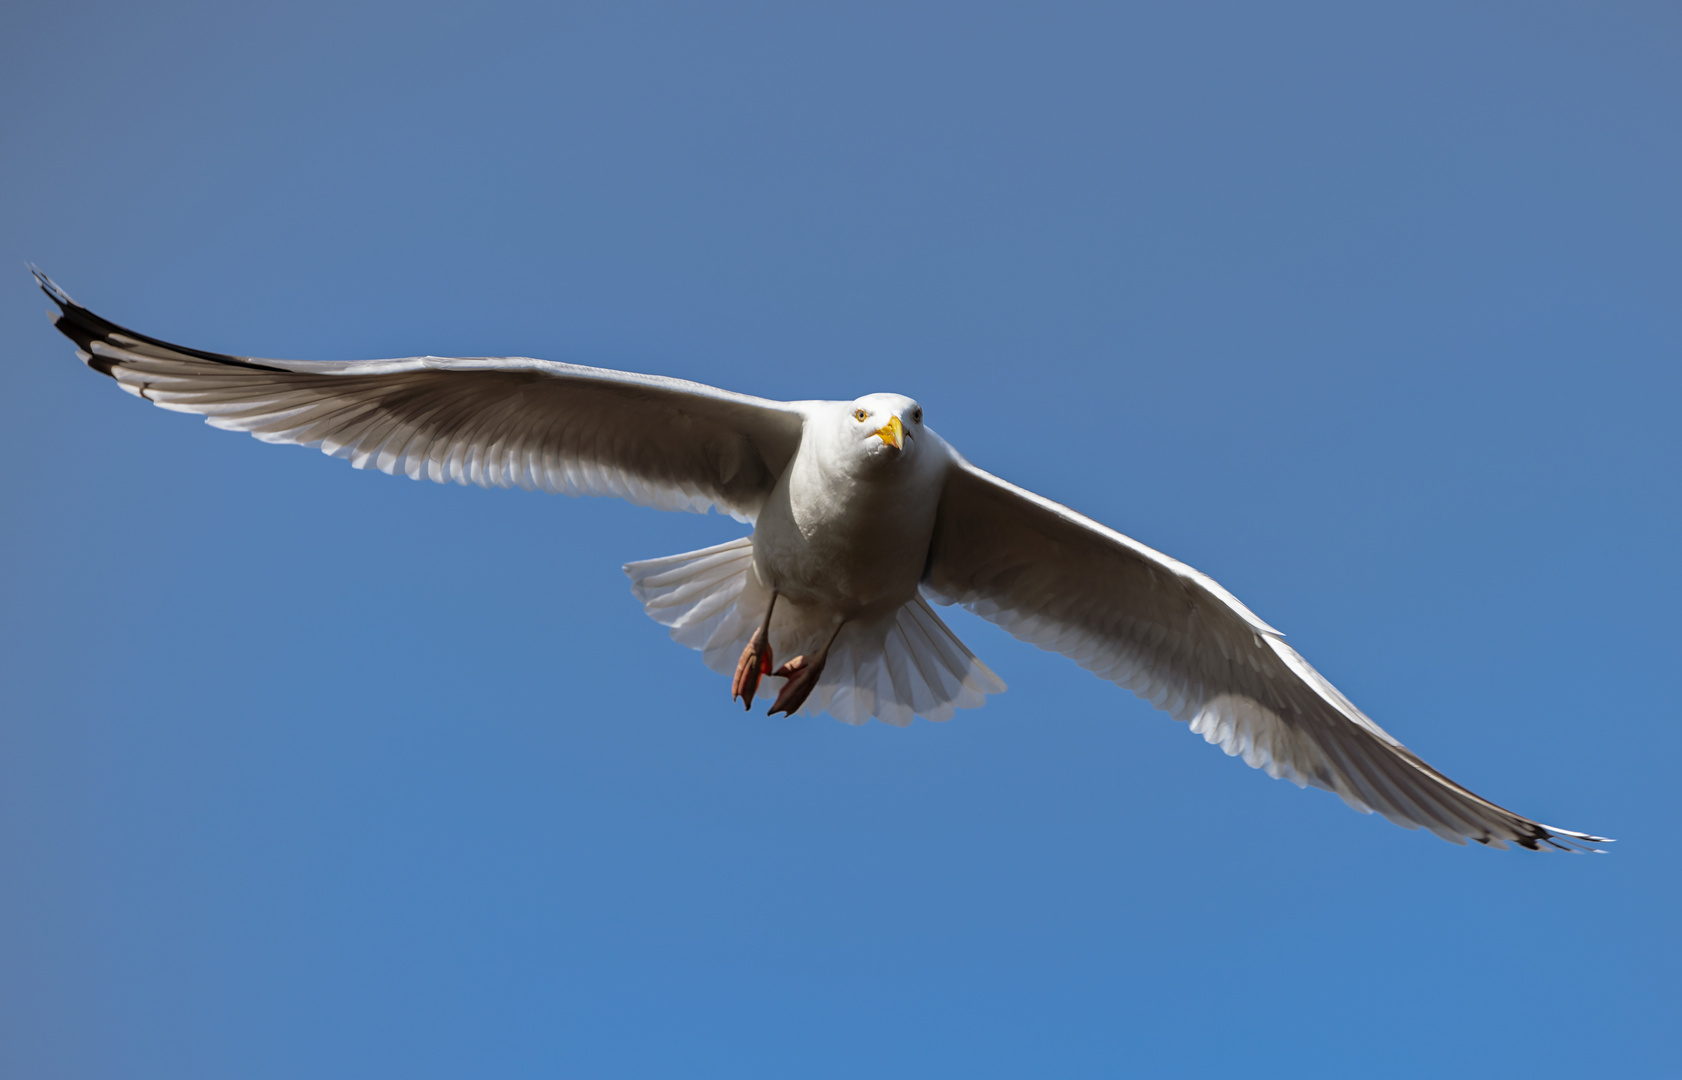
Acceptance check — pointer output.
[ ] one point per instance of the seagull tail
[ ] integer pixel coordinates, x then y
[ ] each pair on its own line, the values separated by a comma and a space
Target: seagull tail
908, 664
696, 594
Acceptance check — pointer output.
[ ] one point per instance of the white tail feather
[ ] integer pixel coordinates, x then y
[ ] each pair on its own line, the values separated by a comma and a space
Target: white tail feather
909, 664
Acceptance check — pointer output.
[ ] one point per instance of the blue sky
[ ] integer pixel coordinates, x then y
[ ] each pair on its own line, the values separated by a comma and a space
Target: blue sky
1369, 311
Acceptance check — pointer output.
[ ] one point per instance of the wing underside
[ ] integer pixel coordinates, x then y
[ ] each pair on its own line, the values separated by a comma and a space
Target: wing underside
491, 421
1177, 639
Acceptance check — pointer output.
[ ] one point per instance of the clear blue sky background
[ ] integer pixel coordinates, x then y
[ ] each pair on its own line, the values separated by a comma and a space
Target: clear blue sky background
1373, 312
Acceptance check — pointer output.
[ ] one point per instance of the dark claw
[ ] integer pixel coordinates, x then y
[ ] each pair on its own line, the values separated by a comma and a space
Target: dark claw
802, 678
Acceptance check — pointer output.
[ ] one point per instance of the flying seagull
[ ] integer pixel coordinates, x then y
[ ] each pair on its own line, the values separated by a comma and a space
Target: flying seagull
861, 517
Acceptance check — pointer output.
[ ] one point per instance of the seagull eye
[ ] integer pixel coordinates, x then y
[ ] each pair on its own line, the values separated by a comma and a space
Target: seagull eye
859, 415
917, 415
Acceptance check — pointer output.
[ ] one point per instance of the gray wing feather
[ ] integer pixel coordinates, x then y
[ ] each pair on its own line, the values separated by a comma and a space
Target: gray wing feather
1177, 639
490, 421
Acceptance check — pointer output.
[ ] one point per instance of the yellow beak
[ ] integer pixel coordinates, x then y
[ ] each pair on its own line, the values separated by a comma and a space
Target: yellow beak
892, 433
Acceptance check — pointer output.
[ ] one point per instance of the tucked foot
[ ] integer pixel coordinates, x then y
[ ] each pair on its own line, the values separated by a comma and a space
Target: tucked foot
802, 675
754, 664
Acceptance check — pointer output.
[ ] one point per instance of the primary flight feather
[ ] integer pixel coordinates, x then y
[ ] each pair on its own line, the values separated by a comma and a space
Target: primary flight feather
861, 515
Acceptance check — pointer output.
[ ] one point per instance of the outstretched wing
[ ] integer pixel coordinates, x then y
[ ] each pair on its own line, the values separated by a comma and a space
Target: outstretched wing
1177, 639
491, 421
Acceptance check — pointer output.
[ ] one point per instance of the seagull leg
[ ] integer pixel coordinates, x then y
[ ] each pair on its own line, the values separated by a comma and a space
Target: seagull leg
802, 674
755, 661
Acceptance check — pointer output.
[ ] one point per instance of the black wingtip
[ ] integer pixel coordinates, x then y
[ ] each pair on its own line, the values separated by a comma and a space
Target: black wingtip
1575, 843
74, 321
85, 328
50, 287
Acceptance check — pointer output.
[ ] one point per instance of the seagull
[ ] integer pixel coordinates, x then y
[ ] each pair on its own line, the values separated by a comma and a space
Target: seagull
862, 518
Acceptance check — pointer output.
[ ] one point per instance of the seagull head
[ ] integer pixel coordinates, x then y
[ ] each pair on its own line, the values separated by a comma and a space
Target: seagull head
882, 428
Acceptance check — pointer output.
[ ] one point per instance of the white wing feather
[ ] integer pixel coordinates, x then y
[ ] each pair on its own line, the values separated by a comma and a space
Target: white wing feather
491, 421
1177, 639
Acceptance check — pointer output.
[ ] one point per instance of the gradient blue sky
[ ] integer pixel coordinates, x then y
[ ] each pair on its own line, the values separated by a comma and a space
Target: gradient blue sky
1373, 312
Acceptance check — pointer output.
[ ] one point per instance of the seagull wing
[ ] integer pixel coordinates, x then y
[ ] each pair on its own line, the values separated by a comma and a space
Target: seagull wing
1179, 640
491, 421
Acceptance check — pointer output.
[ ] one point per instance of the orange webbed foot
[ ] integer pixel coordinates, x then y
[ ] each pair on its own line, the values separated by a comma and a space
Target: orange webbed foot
753, 665
802, 676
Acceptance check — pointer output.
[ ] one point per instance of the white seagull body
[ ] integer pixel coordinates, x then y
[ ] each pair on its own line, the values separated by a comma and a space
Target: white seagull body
861, 515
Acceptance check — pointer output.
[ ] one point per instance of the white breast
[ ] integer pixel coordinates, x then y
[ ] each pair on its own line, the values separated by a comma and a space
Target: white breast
853, 540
